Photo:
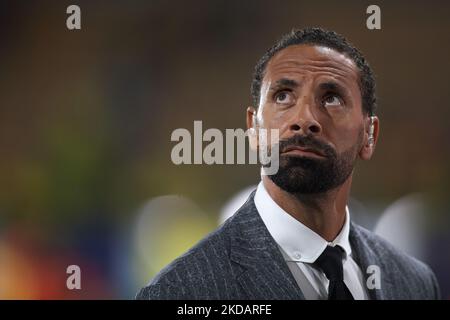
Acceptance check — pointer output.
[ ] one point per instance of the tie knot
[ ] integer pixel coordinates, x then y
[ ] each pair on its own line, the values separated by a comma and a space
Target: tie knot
330, 262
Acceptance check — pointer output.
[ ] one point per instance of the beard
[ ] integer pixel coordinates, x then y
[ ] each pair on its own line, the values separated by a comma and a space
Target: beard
305, 175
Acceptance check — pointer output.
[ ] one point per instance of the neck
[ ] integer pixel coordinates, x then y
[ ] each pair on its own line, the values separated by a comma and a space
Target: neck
323, 213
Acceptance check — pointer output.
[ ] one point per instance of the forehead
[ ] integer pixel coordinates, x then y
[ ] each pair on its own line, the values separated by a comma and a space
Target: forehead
302, 60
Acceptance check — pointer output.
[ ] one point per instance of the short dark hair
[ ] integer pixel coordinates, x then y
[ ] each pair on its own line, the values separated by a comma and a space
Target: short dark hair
329, 39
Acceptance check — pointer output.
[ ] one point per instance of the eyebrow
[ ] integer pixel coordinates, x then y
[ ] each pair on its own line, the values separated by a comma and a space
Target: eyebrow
332, 86
284, 83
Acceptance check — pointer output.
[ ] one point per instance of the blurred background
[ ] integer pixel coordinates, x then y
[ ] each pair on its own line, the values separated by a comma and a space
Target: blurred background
86, 116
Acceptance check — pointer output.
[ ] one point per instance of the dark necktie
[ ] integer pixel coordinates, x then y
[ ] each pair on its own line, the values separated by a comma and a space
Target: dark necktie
330, 262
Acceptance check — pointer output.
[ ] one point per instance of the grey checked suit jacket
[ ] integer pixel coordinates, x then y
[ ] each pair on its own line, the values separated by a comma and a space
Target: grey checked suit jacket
240, 260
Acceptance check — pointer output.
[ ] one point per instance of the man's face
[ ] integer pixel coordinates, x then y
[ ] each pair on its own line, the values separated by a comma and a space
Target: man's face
311, 95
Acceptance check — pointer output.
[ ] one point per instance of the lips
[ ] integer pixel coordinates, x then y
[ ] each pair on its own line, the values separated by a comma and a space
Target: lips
303, 151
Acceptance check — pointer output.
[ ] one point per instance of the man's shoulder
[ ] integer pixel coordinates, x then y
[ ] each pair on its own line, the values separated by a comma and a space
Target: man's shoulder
398, 263
204, 266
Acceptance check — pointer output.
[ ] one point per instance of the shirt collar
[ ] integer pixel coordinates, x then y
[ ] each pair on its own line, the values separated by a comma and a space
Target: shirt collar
300, 243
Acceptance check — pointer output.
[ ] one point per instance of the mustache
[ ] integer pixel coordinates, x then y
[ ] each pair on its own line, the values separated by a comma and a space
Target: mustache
307, 142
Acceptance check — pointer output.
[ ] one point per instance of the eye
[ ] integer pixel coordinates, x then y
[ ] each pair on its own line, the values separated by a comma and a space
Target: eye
284, 97
332, 100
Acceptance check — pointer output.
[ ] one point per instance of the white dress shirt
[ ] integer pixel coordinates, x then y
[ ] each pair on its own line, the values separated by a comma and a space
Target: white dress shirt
301, 246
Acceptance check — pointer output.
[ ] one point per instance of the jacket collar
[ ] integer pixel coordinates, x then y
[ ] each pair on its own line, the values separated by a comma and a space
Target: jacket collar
260, 267
367, 258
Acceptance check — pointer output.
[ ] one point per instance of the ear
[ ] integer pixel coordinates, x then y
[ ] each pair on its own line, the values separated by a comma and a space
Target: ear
368, 147
252, 128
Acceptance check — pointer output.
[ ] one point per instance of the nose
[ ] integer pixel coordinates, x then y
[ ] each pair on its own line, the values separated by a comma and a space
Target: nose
304, 121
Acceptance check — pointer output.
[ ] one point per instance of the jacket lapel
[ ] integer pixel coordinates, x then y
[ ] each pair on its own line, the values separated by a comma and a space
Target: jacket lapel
261, 271
365, 257
259, 267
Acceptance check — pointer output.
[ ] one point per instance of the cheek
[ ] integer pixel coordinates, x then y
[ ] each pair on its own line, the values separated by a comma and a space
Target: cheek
342, 136
272, 119
351, 138
269, 120
345, 129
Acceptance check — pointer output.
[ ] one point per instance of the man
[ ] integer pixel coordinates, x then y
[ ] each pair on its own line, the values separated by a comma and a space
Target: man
293, 238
